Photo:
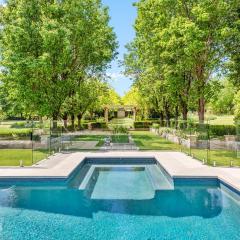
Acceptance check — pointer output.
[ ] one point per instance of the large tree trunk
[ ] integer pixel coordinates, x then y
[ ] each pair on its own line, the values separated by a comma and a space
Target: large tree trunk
40, 120
161, 119
176, 117
91, 115
65, 120
201, 109
184, 114
167, 116
72, 121
79, 117
54, 123
202, 84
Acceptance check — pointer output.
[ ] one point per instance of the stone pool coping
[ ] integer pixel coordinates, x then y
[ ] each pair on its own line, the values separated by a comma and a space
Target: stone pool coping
177, 165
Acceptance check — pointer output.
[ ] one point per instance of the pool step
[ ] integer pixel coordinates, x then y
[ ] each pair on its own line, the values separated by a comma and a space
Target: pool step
86, 178
157, 178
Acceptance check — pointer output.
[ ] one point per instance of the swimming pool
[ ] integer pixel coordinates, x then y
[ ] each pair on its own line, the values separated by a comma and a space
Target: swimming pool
119, 199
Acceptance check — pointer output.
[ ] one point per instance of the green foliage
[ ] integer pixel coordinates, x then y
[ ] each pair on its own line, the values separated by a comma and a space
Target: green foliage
94, 125
14, 133
142, 124
177, 48
237, 106
120, 130
135, 98
221, 130
223, 102
49, 47
99, 125
86, 97
155, 125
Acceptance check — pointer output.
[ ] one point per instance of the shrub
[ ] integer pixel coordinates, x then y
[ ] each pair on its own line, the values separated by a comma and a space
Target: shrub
23, 124
84, 125
101, 125
10, 133
142, 124
120, 130
155, 125
221, 130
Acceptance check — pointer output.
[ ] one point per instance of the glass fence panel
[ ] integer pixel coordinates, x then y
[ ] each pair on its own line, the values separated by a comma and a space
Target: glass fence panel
199, 141
27, 142
15, 143
55, 141
183, 133
40, 140
224, 145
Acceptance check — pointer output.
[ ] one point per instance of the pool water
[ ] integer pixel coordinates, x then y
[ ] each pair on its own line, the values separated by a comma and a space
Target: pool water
120, 203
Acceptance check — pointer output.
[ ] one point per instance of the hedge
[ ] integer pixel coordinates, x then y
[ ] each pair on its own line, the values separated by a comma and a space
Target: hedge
15, 133
94, 125
142, 124
221, 130
215, 130
101, 125
205, 129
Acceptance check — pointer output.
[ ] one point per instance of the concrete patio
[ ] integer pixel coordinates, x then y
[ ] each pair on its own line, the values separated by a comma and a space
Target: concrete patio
177, 164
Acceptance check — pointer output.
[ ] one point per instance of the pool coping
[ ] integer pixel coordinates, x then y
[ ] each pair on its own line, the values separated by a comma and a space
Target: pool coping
177, 165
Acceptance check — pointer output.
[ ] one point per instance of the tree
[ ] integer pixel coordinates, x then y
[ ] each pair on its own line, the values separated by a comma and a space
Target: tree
223, 102
49, 47
134, 97
181, 45
86, 97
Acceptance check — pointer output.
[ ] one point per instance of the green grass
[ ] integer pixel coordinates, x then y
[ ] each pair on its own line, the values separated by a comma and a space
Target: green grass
99, 138
12, 157
124, 122
221, 157
120, 138
149, 141
123, 138
223, 120
12, 131
215, 119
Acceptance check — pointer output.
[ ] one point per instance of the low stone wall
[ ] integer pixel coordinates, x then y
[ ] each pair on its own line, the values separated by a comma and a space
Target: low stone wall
44, 143
229, 142
18, 144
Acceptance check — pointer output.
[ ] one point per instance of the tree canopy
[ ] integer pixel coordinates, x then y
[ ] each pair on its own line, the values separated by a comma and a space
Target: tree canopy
178, 48
49, 48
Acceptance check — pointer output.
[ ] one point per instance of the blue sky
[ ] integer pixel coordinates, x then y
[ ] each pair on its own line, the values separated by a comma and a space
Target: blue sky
123, 15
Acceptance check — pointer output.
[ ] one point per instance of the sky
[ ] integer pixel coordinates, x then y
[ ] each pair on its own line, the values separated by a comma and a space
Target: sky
122, 15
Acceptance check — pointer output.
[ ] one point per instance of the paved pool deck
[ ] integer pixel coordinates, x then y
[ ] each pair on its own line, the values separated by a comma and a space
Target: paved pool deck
177, 164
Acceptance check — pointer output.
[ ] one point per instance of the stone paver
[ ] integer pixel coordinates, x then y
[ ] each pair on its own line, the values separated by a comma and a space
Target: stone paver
83, 145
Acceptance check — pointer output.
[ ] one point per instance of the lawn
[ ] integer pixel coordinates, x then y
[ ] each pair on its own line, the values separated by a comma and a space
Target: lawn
124, 122
149, 141
215, 119
221, 157
12, 157
123, 138
98, 138
223, 120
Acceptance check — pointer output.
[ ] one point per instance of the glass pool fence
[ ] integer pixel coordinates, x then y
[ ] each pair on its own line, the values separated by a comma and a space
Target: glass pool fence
24, 143
215, 145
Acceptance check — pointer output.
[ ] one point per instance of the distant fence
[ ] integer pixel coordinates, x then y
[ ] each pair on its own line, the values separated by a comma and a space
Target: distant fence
217, 145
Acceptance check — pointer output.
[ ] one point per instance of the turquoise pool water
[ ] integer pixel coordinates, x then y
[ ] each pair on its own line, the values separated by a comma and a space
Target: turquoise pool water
120, 203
